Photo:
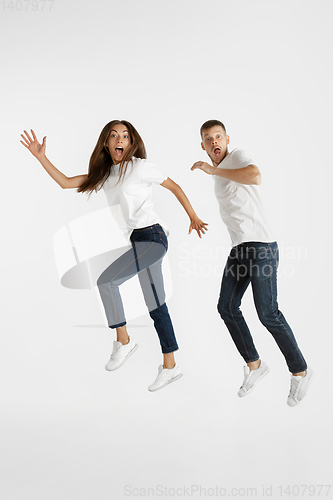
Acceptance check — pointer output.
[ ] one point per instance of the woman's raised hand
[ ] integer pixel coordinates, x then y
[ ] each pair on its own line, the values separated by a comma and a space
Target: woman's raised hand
38, 150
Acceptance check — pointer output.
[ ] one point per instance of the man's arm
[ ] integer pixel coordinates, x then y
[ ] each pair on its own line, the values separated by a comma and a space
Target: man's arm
248, 175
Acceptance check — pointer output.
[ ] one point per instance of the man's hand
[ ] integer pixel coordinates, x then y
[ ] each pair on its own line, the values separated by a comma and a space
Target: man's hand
249, 175
198, 226
205, 167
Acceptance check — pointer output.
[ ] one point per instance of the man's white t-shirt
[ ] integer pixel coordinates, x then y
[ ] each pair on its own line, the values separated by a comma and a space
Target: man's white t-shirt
240, 205
131, 199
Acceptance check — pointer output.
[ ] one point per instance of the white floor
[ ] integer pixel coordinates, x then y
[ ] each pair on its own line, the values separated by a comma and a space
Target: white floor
72, 430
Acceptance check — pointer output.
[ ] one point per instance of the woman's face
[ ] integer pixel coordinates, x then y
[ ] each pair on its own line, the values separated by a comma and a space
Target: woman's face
119, 142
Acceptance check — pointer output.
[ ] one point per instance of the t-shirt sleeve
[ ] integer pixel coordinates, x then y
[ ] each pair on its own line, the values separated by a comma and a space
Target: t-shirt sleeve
151, 175
240, 159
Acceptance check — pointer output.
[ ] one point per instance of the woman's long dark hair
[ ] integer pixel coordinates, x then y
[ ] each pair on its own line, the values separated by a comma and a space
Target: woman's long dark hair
100, 164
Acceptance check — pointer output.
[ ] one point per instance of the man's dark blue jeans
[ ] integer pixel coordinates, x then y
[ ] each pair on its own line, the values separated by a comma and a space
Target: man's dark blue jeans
256, 263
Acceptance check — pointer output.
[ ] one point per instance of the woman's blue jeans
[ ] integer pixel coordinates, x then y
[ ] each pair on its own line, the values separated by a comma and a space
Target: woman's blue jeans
256, 263
149, 245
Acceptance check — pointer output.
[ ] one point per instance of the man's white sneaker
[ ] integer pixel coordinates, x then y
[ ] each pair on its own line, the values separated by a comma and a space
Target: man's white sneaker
121, 352
251, 378
165, 376
298, 387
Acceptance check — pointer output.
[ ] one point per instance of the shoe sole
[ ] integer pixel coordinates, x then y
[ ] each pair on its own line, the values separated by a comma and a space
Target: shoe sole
258, 380
123, 361
296, 404
169, 382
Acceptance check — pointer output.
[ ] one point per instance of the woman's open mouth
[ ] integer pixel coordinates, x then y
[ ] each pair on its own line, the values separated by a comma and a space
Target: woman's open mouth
119, 151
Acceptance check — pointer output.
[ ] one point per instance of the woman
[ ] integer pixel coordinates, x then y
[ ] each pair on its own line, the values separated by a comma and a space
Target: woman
118, 164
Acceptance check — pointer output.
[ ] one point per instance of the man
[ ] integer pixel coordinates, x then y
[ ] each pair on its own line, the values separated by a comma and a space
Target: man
254, 259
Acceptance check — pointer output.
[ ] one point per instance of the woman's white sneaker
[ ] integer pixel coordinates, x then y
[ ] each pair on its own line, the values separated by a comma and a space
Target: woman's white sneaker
251, 378
298, 387
121, 352
165, 376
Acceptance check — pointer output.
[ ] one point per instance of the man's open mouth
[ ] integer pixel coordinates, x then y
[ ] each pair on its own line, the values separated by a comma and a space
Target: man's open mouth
216, 151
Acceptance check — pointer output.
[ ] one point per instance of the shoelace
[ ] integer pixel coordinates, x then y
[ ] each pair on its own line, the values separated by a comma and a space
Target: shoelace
161, 375
115, 352
246, 379
294, 387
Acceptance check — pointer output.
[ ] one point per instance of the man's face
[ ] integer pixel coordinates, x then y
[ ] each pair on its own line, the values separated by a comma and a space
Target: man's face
215, 143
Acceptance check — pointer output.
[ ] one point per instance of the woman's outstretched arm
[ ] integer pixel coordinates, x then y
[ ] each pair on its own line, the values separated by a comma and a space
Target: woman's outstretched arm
196, 223
38, 151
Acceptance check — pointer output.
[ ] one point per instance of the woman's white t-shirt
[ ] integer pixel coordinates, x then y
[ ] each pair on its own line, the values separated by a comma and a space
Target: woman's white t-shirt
131, 199
240, 204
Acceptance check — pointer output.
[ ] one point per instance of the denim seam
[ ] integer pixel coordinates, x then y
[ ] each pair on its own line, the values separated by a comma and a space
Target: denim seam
118, 325
153, 287
235, 321
161, 241
114, 278
291, 346
132, 262
170, 349
114, 304
165, 349
136, 257
272, 311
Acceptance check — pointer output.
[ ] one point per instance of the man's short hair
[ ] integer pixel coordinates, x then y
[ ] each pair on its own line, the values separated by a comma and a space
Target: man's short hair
210, 124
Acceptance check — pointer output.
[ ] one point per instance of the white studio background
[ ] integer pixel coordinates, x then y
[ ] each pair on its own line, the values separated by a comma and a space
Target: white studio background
70, 429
